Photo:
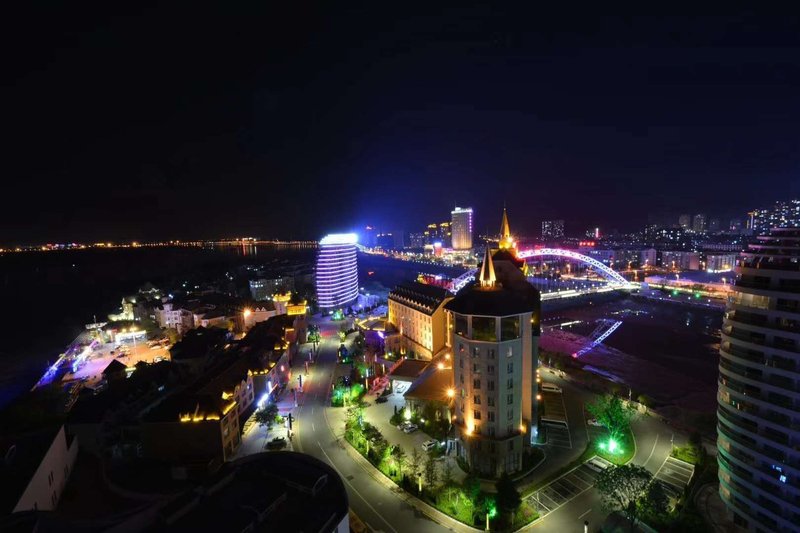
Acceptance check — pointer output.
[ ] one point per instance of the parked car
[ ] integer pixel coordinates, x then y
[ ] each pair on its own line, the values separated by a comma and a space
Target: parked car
429, 444
594, 422
410, 428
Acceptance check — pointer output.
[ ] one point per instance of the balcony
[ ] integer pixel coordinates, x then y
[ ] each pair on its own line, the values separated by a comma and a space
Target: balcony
741, 370
786, 265
752, 356
737, 420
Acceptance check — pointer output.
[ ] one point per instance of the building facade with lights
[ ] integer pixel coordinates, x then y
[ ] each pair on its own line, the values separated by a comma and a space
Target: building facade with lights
495, 341
416, 310
552, 229
461, 228
337, 271
759, 387
784, 213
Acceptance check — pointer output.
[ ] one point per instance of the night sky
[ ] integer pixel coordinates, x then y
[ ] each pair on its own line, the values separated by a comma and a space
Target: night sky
292, 120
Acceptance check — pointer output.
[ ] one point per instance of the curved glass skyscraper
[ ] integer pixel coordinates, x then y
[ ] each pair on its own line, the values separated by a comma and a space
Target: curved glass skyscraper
337, 270
759, 387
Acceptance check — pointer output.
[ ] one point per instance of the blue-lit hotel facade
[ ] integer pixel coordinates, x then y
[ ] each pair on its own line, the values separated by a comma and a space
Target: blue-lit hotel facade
337, 270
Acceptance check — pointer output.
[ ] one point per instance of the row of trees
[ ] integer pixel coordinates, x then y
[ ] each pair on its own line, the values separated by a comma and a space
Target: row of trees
424, 475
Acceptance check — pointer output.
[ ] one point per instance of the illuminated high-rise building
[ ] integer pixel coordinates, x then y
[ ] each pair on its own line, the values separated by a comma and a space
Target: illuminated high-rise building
461, 228
552, 229
337, 270
685, 221
785, 213
758, 398
699, 223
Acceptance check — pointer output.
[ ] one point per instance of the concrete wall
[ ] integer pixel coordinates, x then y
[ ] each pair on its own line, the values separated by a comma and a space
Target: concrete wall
47, 483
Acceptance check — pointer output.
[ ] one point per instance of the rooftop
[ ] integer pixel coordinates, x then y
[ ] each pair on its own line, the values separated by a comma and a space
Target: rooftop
511, 295
432, 385
266, 492
423, 297
410, 368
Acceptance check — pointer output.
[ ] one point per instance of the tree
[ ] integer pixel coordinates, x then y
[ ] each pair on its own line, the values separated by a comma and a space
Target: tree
400, 459
656, 500
267, 415
415, 464
613, 414
621, 488
447, 474
431, 473
508, 499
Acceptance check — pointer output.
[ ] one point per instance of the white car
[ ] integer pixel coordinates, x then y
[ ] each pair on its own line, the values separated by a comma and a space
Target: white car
429, 444
594, 422
410, 428
549, 387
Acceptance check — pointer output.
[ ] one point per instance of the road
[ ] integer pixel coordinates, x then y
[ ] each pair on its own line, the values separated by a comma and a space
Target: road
383, 507
379, 507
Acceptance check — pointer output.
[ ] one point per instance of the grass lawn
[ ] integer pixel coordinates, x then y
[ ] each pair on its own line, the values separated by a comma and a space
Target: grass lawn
623, 452
688, 453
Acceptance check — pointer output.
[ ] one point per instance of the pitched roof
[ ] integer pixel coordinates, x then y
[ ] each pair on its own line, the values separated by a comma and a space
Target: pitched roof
432, 385
420, 296
113, 367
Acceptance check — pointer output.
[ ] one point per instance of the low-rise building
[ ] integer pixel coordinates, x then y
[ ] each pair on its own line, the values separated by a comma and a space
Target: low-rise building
35, 469
417, 312
680, 260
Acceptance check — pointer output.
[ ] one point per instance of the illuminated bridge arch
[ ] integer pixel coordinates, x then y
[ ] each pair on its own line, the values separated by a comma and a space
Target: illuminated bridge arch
613, 277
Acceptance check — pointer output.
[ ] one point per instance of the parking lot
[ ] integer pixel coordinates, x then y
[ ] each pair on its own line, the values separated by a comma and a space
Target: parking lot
554, 410
675, 474
557, 435
565, 488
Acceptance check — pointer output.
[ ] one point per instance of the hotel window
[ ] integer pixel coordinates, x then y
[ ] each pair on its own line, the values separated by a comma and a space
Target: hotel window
476, 414
476, 383
483, 328
510, 384
510, 415
460, 363
476, 351
461, 325
491, 416
510, 368
490, 401
491, 353
510, 399
476, 368
490, 385
509, 328
491, 434
510, 352
476, 399
490, 369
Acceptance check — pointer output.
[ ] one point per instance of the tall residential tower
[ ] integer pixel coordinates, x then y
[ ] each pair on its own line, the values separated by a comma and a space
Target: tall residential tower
759, 387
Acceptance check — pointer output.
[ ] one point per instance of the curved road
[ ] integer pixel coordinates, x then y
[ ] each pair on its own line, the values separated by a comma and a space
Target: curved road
384, 509
381, 508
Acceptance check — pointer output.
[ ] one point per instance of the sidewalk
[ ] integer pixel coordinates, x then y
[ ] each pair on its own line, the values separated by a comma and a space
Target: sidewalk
713, 510
256, 437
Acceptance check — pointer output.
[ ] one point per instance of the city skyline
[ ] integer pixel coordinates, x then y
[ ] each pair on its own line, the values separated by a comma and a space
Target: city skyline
338, 106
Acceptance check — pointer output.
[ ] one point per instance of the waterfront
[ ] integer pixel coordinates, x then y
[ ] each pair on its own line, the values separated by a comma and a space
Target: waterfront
48, 297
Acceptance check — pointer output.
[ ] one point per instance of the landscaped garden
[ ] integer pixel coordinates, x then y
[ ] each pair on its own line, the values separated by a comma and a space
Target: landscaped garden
430, 478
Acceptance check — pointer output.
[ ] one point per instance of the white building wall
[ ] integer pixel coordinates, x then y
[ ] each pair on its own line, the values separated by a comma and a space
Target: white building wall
45, 487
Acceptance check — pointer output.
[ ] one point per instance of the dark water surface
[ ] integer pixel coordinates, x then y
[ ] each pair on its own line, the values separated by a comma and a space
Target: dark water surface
47, 297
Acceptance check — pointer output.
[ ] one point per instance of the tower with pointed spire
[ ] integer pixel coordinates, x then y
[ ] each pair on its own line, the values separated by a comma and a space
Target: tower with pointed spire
487, 278
494, 329
506, 240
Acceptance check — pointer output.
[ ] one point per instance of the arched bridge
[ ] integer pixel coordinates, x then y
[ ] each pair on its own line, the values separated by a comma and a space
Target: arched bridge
612, 276
614, 279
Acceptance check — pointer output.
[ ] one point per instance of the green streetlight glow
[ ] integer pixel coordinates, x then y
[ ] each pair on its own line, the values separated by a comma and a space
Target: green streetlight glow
492, 511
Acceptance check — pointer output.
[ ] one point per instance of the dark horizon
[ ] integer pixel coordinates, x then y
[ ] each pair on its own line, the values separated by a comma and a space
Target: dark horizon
295, 121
